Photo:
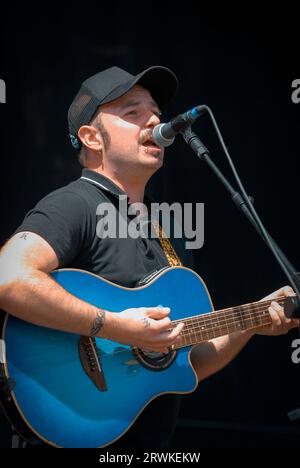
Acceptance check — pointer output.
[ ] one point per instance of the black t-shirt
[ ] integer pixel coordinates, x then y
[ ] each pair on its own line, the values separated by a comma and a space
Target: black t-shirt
67, 220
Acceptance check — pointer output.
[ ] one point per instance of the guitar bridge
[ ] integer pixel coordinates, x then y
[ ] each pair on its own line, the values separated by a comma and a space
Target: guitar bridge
90, 361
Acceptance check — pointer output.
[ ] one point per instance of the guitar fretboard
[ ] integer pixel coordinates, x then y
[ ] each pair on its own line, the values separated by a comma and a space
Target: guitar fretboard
205, 327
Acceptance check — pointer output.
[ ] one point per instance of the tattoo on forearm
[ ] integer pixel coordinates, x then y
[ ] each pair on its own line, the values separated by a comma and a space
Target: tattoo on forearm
98, 322
146, 321
24, 235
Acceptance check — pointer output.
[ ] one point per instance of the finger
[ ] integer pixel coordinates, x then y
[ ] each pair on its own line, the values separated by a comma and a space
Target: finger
277, 307
172, 344
280, 311
157, 312
167, 338
175, 332
276, 322
178, 340
286, 323
162, 325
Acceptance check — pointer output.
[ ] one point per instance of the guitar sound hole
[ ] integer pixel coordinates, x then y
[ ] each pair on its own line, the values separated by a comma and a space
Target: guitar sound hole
154, 360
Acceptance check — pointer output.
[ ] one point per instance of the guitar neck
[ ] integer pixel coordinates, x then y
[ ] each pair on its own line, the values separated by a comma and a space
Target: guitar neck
222, 322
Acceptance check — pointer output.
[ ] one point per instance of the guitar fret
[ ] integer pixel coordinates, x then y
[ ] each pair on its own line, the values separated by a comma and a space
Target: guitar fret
240, 319
204, 329
214, 325
193, 332
265, 314
260, 316
188, 338
251, 313
256, 318
227, 328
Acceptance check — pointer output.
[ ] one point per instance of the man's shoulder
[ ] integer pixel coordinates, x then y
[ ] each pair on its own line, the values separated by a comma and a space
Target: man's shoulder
66, 194
76, 192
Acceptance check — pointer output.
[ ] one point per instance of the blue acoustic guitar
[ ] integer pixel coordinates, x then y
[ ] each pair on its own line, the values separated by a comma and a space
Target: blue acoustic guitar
77, 391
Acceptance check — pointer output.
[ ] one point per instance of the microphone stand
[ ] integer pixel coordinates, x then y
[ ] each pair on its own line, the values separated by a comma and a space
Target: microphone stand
293, 309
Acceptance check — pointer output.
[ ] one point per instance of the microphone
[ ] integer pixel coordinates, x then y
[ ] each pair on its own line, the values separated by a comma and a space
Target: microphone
164, 134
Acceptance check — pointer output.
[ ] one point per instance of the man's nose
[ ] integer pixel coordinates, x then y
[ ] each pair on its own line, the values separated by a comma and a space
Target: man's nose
152, 120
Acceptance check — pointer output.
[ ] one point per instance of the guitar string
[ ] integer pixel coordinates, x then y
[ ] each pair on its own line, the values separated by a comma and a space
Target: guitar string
229, 326
223, 320
215, 326
236, 317
247, 317
203, 339
214, 332
232, 311
199, 337
221, 317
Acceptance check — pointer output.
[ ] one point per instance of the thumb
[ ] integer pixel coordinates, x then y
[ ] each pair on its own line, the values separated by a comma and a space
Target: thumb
284, 291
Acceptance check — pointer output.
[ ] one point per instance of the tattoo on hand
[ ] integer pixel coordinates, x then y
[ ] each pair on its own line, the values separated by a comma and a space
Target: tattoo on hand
146, 321
98, 322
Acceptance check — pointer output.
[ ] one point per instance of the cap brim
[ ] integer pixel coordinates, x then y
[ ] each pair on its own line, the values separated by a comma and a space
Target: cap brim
161, 82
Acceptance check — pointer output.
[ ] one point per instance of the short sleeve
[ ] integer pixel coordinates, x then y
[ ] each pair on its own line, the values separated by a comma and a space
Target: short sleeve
61, 219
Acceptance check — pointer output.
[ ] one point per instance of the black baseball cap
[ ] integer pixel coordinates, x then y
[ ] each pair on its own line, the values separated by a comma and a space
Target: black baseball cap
112, 83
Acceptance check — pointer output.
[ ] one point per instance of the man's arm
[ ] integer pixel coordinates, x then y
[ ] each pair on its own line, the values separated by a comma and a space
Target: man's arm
211, 356
28, 292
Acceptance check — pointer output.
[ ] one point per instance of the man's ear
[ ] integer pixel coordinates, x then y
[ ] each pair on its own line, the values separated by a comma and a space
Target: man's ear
91, 138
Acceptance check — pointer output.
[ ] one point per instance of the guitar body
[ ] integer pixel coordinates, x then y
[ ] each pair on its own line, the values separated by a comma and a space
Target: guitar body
55, 397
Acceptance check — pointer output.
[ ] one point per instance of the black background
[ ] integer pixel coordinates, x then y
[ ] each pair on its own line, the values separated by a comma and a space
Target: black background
242, 66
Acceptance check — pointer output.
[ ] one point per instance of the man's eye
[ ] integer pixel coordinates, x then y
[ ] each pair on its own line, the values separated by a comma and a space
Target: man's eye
133, 112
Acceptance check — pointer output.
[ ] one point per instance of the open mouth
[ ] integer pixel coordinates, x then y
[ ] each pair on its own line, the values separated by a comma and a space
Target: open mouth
150, 144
